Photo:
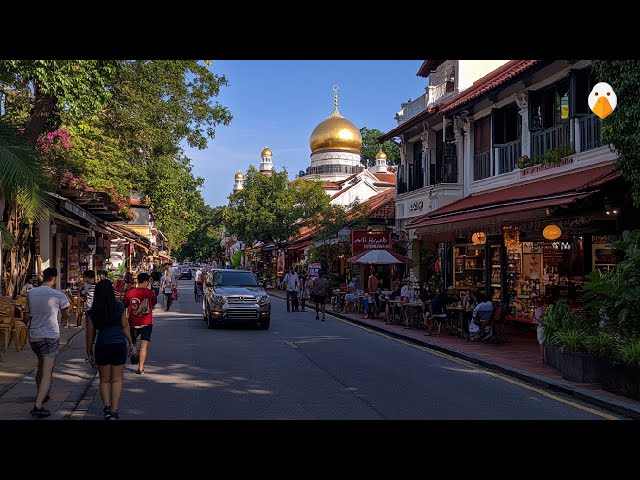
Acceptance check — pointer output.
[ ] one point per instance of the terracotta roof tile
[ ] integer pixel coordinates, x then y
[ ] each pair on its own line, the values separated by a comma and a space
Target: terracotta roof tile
388, 178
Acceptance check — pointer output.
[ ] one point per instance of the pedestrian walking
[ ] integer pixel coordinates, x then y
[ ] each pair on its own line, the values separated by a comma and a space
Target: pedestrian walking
303, 290
139, 302
103, 275
168, 284
45, 303
319, 292
107, 317
290, 282
86, 293
156, 278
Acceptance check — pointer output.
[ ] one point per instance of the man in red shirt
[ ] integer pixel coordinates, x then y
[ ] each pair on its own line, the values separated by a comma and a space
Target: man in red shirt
139, 302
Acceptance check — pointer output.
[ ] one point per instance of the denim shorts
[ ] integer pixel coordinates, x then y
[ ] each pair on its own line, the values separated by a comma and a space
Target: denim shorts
46, 347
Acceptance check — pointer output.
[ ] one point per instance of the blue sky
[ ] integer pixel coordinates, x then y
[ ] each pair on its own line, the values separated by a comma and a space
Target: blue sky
279, 103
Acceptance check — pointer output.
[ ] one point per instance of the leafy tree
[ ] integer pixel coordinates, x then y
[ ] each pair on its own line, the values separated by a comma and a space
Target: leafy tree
22, 185
270, 208
40, 86
371, 147
620, 129
203, 244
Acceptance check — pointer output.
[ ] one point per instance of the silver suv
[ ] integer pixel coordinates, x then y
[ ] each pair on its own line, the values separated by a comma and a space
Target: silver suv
234, 296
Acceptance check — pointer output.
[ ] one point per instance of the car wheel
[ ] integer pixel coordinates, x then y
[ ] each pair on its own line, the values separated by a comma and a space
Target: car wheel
264, 324
205, 311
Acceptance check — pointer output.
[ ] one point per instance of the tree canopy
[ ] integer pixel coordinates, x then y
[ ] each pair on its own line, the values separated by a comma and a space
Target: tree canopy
203, 243
371, 147
620, 129
270, 208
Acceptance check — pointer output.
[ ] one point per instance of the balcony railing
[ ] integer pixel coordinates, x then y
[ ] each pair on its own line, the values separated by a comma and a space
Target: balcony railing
590, 128
482, 165
550, 139
436, 92
509, 153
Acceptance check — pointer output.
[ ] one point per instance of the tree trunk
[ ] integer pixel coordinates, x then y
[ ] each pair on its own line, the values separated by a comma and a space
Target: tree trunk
17, 261
42, 108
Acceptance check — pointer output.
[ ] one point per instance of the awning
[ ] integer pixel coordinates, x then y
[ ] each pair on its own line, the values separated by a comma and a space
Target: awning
68, 221
146, 249
492, 207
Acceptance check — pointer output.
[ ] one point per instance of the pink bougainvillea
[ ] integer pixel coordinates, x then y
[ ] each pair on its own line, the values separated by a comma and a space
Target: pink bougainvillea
55, 146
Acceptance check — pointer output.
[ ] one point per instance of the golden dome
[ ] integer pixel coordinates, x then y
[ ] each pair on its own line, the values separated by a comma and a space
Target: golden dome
239, 176
335, 133
266, 153
381, 155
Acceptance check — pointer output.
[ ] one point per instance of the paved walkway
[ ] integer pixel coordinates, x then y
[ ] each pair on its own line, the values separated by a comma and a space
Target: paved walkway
518, 357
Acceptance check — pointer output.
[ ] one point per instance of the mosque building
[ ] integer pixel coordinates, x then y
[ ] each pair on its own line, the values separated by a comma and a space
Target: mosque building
335, 145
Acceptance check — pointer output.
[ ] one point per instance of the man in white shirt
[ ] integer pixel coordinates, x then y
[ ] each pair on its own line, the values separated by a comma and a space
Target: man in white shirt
44, 333
168, 283
406, 291
291, 284
478, 328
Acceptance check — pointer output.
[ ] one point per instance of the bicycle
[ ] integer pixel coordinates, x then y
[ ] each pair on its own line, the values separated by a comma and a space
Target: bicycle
337, 301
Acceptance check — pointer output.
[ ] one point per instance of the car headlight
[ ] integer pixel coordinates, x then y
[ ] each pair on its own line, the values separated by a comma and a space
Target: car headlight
264, 300
220, 299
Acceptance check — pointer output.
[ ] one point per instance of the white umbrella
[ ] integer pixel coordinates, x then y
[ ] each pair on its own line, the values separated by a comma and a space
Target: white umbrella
379, 257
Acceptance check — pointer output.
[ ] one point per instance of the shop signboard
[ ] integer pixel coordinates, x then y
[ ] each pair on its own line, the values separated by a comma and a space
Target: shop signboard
363, 241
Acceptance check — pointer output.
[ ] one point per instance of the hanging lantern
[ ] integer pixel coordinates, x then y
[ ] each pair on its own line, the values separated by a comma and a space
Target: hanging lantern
551, 232
479, 238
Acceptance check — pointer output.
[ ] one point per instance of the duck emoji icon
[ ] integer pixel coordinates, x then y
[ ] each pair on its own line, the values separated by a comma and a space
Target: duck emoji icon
602, 100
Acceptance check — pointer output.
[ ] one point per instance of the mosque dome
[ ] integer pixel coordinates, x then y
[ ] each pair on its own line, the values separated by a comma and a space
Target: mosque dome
266, 152
239, 176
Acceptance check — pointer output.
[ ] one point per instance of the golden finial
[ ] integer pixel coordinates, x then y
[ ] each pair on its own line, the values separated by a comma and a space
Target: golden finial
335, 113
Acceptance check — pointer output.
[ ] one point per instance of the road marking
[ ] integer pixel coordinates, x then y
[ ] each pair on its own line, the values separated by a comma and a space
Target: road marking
292, 345
487, 372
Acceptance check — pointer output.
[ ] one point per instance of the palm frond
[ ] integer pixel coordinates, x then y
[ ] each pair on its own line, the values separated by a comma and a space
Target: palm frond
6, 239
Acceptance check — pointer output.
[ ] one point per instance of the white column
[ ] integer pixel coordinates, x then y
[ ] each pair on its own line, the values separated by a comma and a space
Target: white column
45, 243
459, 136
575, 132
522, 99
429, 152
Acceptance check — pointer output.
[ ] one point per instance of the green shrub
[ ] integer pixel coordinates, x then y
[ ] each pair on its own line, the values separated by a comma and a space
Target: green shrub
628, 352
573, 339
557, 317
602, 344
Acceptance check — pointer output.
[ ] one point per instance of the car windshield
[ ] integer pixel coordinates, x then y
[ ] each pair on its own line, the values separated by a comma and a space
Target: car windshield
235, 279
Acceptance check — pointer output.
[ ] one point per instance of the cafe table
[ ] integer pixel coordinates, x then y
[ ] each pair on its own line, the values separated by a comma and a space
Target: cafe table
463, 326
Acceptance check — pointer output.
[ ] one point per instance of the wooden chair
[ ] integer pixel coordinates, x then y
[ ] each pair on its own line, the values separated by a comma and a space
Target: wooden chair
22, 322
7, 321
440, 320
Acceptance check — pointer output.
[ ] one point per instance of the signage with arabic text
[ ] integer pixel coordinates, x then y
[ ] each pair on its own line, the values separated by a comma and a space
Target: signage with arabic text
362, 241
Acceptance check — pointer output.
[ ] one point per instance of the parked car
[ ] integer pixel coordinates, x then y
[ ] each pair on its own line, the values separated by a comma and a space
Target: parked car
186, 273
234, 296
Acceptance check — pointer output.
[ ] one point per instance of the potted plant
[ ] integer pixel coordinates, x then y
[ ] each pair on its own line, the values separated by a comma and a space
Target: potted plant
578, 365
621, 375
556, 317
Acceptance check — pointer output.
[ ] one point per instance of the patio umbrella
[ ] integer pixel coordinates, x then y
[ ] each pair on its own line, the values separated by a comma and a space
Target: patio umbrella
379, 257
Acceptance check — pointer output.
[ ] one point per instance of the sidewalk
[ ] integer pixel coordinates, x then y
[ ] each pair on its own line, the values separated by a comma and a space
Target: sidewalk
518, 358
71, 378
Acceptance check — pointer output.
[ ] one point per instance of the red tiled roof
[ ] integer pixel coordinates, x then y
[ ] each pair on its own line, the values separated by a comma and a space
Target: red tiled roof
425, 68
332, 185
389, 178
350, 177
490, 81
488, 203
380, 206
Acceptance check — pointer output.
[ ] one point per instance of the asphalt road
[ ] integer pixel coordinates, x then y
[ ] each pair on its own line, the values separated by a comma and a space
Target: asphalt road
303, 369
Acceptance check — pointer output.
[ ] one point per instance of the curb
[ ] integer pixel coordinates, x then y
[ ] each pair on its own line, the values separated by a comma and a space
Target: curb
611, 404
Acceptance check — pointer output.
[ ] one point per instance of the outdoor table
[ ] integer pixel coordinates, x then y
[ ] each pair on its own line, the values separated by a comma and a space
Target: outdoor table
409, 310
392, 309
463, 327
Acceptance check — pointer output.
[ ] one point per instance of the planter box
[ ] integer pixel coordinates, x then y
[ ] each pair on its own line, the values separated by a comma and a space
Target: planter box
580, 367
621, 380
553, 357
